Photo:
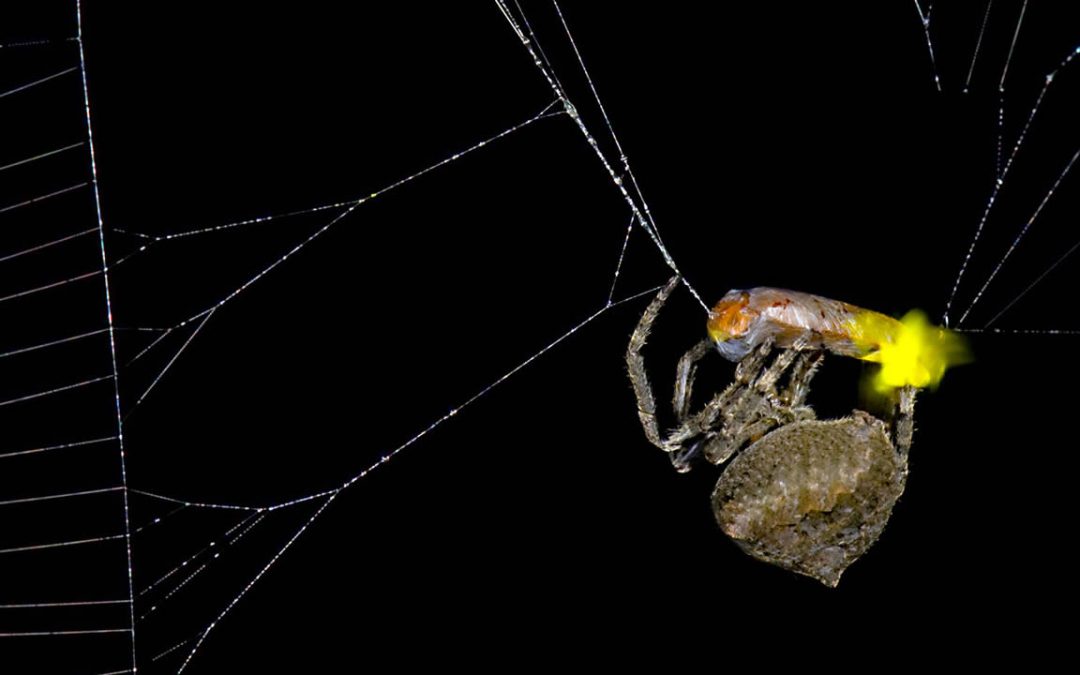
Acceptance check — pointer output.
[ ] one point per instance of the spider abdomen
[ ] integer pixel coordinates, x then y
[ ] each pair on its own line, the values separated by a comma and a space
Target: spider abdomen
812, 496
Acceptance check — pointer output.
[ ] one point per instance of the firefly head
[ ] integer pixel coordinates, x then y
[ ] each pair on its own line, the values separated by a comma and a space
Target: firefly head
730, 323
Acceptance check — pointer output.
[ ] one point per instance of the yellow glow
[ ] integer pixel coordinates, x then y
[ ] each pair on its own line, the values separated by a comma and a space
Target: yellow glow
910, 351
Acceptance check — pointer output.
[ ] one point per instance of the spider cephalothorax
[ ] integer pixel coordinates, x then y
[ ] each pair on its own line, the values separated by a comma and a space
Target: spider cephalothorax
808, 495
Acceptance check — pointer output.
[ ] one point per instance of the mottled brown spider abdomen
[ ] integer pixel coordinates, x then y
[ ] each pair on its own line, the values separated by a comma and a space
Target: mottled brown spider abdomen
812, 496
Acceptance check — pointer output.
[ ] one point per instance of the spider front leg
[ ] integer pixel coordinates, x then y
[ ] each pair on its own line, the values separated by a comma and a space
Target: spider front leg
703, 422
635, 364
682, 456
748, 371
758, 407
684, 377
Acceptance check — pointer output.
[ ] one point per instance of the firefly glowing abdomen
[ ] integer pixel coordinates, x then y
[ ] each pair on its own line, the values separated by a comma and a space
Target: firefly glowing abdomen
911, 351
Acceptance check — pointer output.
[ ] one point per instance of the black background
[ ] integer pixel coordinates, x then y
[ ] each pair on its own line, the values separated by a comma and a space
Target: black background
801, 146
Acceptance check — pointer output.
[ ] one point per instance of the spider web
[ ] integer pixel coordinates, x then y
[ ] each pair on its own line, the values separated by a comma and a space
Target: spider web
221, 325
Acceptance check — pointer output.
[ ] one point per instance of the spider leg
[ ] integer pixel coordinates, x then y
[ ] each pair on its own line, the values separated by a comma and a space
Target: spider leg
635, 363
746, 373
701, 423
799, 383
704, 421
766, 384
756, 408
750, 367
684, 377
904, 423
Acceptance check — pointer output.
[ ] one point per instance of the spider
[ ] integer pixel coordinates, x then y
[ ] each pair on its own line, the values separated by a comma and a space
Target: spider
807, 495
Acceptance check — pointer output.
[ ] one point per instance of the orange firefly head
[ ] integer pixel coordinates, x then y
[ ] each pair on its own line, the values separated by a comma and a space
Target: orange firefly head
731, 317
